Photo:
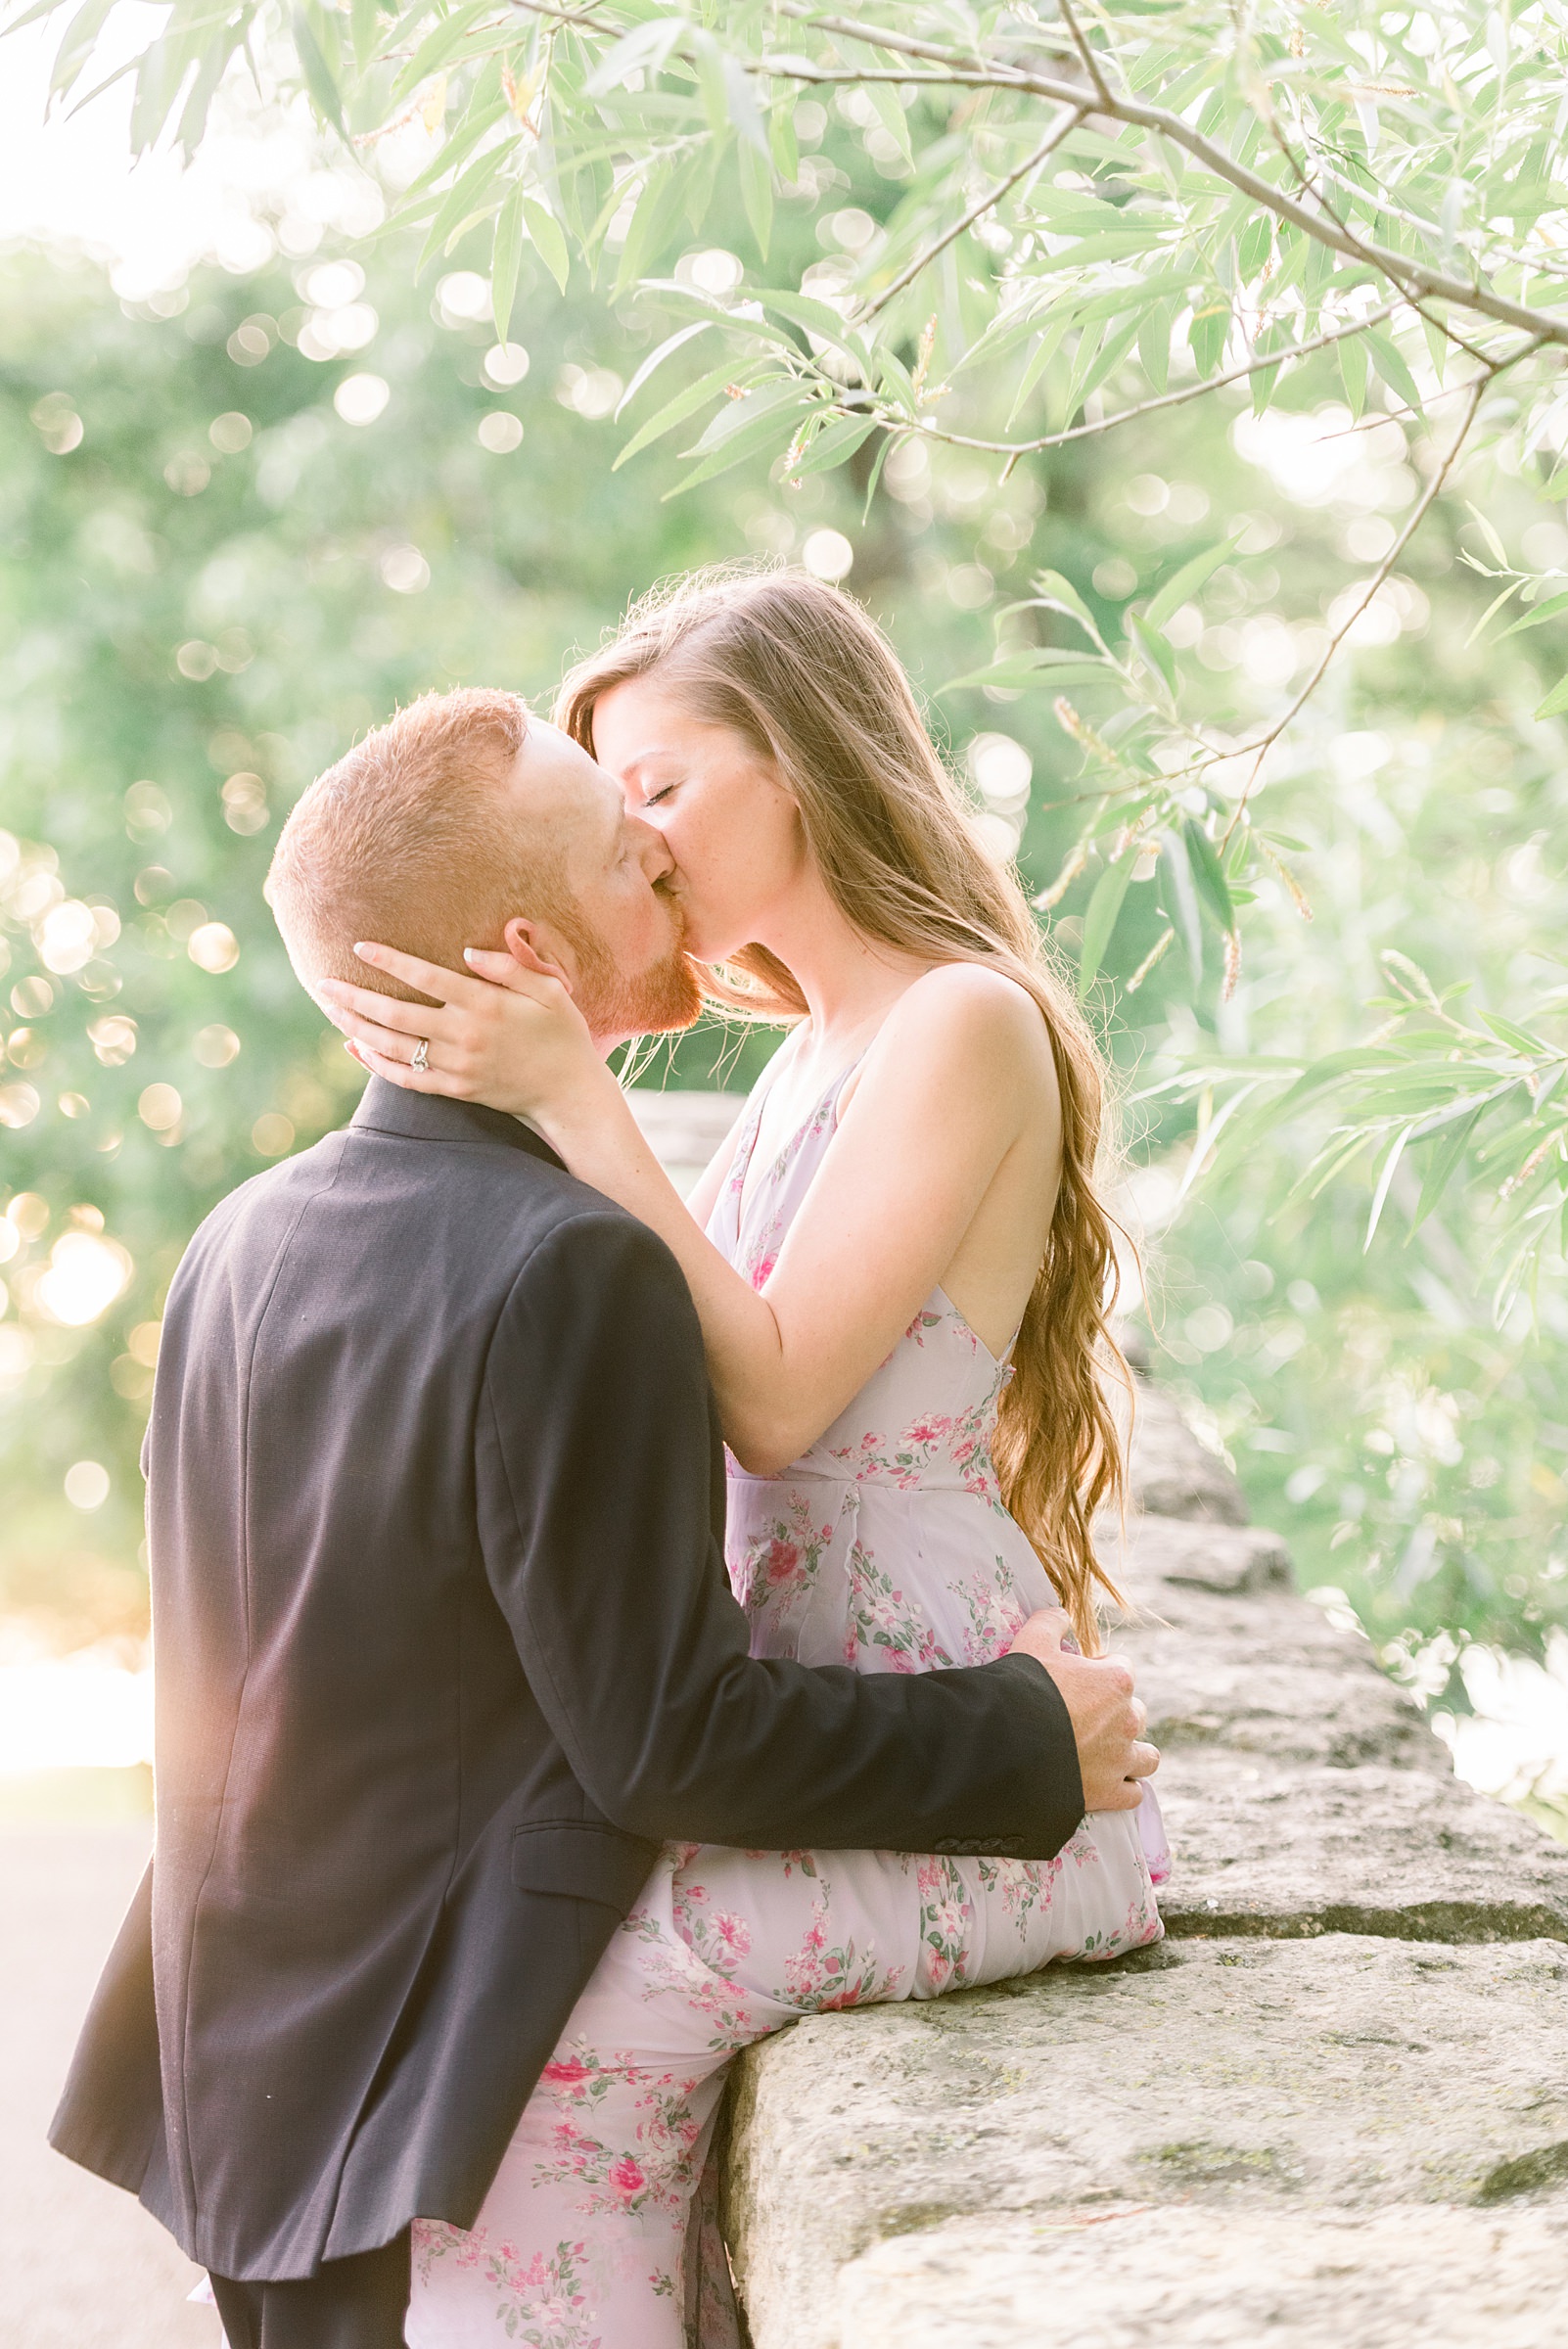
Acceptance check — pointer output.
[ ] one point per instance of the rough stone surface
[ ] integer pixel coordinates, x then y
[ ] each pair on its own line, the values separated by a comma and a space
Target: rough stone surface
1239, 2082
1171, 1473
1283, 1849
1331, 2109
1227, 1655
1394, 2278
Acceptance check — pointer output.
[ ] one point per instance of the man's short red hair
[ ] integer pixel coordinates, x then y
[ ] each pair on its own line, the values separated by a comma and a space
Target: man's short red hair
413, 841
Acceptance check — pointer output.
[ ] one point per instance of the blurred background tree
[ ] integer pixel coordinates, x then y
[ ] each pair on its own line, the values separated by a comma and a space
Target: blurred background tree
250, 510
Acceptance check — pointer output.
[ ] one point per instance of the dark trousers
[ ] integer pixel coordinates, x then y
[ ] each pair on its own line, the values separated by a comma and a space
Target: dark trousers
357, 2303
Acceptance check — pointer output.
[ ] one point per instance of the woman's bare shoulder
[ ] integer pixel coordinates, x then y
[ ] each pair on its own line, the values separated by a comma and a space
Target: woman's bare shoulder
961, 1007
966, 1039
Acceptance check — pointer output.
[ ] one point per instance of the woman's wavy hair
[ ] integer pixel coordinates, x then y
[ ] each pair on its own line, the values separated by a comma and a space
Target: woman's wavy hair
802, 674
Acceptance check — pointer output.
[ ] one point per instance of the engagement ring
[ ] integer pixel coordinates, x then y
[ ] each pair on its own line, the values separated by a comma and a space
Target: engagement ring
421, 1059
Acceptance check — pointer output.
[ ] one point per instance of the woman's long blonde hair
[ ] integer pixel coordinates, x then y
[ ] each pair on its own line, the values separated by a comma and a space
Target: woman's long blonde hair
810, 682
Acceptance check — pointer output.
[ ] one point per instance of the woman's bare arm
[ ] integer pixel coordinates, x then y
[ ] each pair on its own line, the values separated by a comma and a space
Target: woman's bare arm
959, 1072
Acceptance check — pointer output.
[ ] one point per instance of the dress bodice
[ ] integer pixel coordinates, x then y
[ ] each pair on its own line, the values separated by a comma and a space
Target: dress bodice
886, 1546
885, 1543
925, 1418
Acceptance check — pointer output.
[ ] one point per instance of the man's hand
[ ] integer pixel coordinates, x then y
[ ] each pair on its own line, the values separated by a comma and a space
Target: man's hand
1107, 1717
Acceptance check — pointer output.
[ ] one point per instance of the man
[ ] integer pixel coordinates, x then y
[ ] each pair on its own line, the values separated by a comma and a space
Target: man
445, 1648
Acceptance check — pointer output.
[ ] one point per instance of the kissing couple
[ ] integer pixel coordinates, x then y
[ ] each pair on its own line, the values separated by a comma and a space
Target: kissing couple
494, 1815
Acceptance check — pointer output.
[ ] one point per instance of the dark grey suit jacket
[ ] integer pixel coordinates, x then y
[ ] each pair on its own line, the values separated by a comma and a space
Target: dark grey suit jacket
444, 1650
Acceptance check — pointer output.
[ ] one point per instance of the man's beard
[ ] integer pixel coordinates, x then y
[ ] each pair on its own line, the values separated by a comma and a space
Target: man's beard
657, 1001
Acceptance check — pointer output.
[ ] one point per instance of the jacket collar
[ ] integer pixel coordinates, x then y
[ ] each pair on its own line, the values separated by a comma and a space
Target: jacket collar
430, 1118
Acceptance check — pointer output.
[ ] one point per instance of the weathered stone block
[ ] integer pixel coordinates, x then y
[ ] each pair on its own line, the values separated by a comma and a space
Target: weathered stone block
1390, 2279
1226, 1654
1250, 2086
1171, 1473
1284, 1849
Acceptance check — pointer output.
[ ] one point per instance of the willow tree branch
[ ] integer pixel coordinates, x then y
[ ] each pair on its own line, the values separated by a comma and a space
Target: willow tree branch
1067, 121
974, 69
1310, 187
1166, 400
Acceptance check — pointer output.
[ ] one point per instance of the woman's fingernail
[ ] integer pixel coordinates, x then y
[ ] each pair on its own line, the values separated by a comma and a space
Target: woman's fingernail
365, 954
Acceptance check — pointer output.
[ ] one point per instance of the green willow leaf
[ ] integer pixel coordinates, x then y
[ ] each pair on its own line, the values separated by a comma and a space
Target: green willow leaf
1552, 609
1155, 649
1388, 361
1100, 917
1185, 582
655, 359
675, 410
833, 447
1178, 900
1212, 886
1054, 589
756, 193
463, 202
438, 48
747, 435
548, 239
1384, 1182
1015, 671
506, 257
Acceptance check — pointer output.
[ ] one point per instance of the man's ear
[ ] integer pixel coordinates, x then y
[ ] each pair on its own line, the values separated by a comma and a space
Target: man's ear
518, 937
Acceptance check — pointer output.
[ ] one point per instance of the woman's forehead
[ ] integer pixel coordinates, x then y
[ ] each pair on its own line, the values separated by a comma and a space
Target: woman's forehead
641, 715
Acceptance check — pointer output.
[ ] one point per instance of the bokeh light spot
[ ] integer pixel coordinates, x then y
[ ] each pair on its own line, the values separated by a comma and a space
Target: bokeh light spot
828, 555
212, 947
360, 399
86, 1273
112, 1039
507, 364
67, 937
216, 1047
159, 1108
404, 570
18, 1105
87, 1485
500, 431
273, 1133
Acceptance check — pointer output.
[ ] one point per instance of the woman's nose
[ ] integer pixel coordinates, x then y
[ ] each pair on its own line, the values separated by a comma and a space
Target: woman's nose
652, 849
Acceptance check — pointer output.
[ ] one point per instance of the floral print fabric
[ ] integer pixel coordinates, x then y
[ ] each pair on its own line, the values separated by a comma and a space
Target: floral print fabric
886, 1546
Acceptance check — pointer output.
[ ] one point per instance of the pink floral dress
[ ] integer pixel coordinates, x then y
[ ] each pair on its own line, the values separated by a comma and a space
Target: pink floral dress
885, 1546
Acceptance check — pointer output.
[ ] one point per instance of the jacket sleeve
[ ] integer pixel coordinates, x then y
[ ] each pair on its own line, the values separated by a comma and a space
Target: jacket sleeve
597, 1451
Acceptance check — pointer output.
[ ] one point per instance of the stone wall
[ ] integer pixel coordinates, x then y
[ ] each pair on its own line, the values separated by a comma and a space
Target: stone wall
1330, 2111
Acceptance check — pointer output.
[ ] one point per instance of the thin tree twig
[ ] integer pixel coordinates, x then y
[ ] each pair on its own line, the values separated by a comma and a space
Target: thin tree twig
1066, 121
1166, 400
1090, 63
1256, 751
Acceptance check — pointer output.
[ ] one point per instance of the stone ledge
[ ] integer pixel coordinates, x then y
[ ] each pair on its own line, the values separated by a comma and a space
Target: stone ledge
1272, 1848
1332, 2106
1246, 2084
1096, 2279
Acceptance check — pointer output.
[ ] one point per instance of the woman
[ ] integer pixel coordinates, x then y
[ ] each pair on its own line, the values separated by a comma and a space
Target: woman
903, 1270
